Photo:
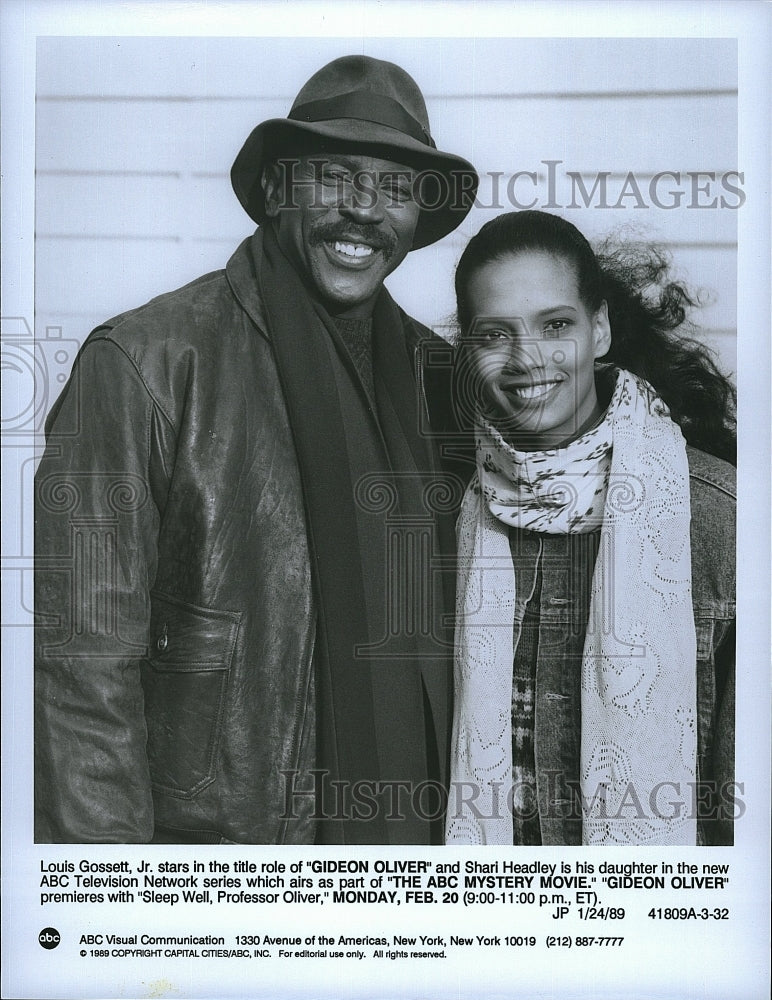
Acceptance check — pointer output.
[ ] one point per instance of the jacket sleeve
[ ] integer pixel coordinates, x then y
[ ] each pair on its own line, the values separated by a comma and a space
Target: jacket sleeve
96, 530
728, 795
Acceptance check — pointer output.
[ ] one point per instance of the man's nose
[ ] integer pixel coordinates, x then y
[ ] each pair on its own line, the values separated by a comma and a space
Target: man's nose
364, 203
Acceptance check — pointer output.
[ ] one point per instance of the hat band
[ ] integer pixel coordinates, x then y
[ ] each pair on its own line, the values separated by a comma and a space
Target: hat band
365, 106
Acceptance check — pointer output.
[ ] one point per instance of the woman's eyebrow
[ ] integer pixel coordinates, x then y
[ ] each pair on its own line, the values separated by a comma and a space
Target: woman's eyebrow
516, 318
554, 309
498, 319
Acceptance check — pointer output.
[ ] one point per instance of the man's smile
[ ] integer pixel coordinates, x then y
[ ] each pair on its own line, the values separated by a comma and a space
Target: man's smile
349, 254
353, 249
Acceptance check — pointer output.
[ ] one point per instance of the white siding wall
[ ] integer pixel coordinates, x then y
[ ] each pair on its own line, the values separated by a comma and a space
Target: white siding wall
136, 136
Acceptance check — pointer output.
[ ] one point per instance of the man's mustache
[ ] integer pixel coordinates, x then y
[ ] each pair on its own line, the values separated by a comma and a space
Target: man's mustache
347, 232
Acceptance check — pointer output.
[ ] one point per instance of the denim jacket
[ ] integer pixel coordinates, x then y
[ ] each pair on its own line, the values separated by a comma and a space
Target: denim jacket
566, 563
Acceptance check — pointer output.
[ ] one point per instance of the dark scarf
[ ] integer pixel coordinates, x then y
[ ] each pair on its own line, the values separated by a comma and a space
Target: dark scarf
382, 692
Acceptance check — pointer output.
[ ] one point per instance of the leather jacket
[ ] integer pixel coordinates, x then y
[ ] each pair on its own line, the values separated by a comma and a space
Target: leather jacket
176, 624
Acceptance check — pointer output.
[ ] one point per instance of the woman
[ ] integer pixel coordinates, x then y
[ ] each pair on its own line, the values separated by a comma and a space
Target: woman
594, 633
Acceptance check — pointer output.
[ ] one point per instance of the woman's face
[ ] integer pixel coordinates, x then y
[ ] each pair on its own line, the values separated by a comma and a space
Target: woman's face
534, 344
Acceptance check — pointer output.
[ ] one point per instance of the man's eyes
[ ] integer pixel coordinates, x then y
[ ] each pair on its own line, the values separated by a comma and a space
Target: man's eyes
397, 190
398, 194
335, 177
393, 190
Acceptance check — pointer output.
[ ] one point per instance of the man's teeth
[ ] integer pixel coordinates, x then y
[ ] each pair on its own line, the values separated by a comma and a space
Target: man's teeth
353, 249
534, 391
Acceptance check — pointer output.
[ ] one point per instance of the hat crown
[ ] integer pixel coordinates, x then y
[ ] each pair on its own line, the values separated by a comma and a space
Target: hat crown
365, 75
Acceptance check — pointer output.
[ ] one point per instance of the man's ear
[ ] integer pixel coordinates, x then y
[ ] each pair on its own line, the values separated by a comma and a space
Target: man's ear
601, 331
272, 183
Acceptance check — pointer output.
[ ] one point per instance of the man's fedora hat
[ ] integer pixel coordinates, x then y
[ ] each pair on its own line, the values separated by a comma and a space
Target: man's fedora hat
357, 104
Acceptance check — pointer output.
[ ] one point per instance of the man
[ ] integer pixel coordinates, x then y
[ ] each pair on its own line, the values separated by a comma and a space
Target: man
241, 632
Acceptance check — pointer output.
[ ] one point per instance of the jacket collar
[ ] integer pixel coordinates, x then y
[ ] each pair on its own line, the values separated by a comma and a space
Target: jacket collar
241, 273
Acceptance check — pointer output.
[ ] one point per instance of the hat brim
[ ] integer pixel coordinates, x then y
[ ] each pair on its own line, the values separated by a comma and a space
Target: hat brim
448, 183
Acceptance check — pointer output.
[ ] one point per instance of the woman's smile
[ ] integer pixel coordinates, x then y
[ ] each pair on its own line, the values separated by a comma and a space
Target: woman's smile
536, 389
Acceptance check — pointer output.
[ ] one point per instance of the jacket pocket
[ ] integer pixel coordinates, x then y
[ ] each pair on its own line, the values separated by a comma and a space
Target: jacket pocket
185, 678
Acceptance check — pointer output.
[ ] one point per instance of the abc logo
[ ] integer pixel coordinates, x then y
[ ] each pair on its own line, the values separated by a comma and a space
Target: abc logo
49, 937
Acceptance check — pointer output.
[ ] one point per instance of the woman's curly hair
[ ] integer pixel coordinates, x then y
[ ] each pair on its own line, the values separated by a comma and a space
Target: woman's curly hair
651, 334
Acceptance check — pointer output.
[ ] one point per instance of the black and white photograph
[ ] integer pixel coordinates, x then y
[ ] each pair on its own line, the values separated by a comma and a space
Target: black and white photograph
381, 392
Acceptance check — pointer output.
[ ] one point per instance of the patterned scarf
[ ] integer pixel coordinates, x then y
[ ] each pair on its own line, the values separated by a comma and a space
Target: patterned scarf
638, 687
